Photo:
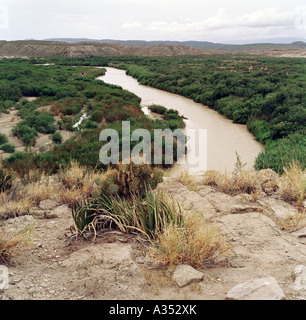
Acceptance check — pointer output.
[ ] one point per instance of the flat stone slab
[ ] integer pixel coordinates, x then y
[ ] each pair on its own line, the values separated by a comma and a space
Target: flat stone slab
185, 274
257, 289
48, 204
279, 208
300, 281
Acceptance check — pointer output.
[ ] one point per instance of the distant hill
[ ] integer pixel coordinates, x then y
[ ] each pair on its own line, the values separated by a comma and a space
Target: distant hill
68, 47
194, 44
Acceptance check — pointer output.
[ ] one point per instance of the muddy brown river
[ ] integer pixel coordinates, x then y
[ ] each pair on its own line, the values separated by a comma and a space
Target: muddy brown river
224, 138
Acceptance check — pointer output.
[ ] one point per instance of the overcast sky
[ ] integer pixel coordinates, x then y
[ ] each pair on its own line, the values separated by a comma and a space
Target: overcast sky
226, 21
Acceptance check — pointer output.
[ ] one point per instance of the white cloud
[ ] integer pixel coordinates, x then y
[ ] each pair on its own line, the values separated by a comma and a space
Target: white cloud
269, 17
133, 25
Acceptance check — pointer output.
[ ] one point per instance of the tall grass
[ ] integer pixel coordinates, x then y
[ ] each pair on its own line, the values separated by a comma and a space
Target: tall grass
293, 183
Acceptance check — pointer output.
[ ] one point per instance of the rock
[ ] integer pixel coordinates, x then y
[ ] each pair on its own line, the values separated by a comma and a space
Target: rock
62, 210
17, 224
185, 274
257, 289
279, 208
300, 281
222, 202
300, 233
48, 204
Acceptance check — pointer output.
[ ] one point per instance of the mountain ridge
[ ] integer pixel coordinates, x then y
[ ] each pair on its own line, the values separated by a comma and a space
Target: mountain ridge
88, 47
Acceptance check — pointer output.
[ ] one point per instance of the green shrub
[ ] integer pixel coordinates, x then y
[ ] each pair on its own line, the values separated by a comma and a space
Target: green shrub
25, 133
90, 125
281, 153
57, 138
3, 139
42, 122
7, 147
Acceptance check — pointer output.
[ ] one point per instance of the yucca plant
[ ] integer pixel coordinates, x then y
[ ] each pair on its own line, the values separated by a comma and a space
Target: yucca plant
83, 214
147, 216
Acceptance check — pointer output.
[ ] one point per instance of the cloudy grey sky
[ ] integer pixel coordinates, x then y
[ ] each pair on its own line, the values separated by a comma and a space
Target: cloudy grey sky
226, 21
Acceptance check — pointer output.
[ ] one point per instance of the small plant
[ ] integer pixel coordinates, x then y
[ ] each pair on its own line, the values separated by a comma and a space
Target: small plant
6, 180
239, 165
57, 138
188, 181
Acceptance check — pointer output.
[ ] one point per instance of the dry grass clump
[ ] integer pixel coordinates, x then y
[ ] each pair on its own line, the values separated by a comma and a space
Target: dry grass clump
293, 184
41, 190
13, 208
77, 183
293, 222
197, 243
232, 182
10, 243
188, 181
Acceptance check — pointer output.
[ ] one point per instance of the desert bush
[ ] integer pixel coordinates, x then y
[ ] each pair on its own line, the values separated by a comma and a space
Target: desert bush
7, 147
127, 180
25, 133
57, 138
3, 139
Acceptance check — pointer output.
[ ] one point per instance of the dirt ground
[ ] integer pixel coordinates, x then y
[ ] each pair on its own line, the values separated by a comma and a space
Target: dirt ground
8, 121
118, 266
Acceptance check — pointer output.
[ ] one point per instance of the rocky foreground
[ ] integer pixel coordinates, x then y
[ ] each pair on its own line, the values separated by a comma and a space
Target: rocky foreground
266, 260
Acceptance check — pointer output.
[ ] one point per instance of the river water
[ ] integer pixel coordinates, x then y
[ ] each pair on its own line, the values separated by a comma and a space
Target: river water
224, 138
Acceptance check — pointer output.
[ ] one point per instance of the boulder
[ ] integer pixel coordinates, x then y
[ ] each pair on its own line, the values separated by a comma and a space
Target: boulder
257, 289
185, 274
48, 204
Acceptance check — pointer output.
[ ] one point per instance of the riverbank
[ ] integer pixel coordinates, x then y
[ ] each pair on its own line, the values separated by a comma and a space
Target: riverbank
224, 137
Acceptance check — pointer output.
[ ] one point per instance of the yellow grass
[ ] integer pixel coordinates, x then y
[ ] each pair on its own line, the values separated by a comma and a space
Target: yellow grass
13, 208
41, 190
10, 243
232, 183
188, 181
293, 184
77, 181
197, 243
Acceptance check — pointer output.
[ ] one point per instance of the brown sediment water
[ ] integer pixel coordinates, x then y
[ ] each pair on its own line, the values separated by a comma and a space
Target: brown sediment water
224, 138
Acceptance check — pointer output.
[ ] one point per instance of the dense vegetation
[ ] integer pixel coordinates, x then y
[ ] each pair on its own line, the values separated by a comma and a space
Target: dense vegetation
267, 94
69, 93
